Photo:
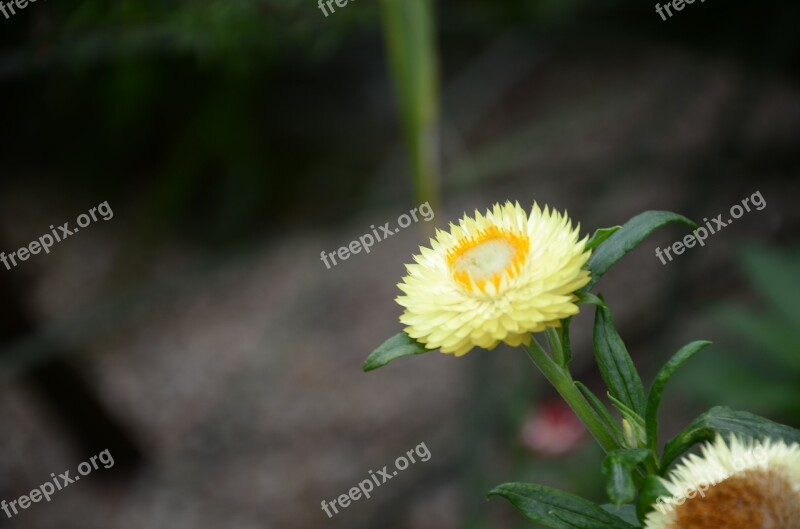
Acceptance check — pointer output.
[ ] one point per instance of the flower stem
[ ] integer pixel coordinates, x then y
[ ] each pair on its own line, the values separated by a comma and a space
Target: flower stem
561, 379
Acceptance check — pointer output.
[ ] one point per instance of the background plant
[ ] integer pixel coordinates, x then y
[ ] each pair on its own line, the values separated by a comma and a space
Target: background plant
757, 361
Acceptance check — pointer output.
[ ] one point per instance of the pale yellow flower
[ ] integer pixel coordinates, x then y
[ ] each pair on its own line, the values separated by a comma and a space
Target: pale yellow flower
734, 485
494, 278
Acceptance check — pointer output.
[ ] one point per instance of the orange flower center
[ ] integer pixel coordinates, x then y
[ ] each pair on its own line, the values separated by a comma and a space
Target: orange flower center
486, 257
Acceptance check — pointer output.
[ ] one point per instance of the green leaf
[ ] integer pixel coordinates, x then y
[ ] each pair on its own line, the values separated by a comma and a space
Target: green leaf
618, 468
602, 411
723, 421
600, 236
626, 512
557, 509
651, 490
626, 239
615, 363
556, 348
587, 298
636, 437
657, 389
397, 346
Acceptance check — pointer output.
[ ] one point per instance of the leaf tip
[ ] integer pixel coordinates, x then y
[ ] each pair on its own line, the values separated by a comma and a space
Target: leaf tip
499, 490
367, 367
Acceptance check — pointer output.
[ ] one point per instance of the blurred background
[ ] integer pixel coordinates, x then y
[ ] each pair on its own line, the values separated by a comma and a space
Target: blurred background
198, 336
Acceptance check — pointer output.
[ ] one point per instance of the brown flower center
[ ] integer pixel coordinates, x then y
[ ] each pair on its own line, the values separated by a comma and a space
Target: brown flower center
756, 499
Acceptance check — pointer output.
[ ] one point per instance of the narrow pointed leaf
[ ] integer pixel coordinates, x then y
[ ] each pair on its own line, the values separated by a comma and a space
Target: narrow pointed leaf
602, 411
587, 298
657, 389
635, 437
724, 421
556, 509
397, 346
616, 365
600, 236
626, 512
556, 348
626, 239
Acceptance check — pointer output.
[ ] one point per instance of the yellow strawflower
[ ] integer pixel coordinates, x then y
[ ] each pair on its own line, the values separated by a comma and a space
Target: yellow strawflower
735, 485
494, 278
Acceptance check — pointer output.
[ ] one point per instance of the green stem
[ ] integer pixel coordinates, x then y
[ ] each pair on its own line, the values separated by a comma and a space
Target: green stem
652, 465
561, 380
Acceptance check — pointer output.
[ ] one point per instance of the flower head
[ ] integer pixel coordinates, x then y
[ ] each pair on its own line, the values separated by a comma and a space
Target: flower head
494, 278
735, 485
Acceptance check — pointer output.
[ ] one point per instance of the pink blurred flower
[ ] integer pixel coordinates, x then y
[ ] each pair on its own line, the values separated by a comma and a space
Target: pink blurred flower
552, 429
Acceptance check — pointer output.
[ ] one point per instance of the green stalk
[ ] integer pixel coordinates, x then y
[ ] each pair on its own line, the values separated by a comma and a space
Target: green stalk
410, 34
561, 379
